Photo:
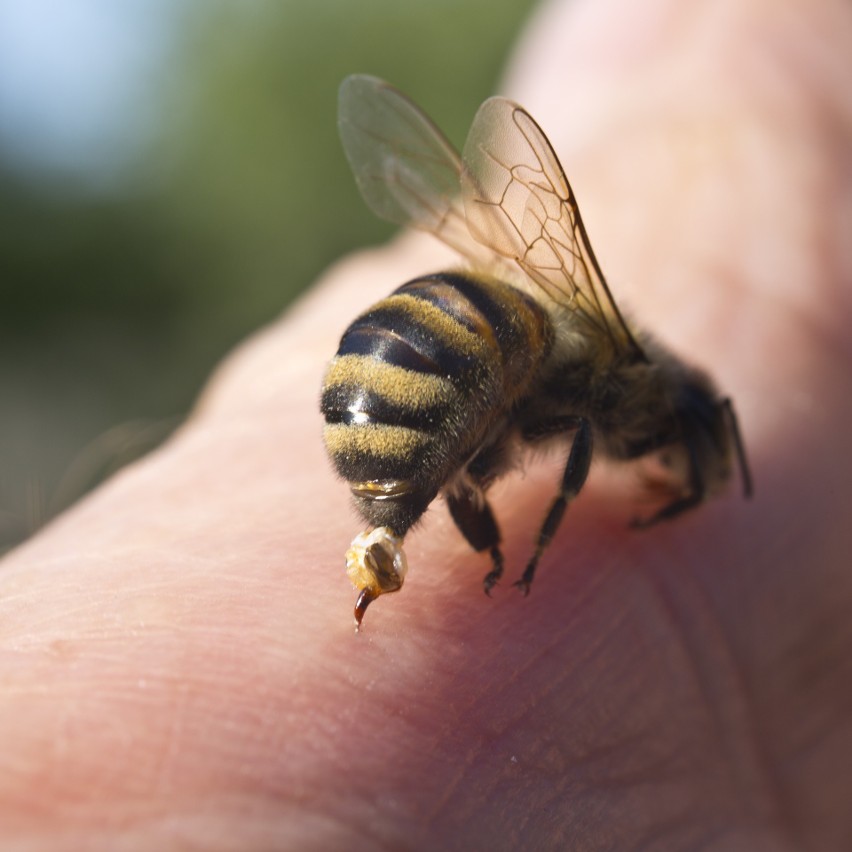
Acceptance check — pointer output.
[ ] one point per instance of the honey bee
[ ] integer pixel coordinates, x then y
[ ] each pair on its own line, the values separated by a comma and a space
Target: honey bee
439, 386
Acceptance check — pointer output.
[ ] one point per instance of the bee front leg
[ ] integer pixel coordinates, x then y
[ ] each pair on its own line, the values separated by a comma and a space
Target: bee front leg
696, 491
573, 479
474, 518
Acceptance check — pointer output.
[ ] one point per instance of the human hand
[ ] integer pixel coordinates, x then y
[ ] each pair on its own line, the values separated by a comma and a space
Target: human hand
178, 655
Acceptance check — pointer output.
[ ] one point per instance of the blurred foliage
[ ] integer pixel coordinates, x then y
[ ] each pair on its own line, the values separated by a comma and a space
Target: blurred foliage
116, 304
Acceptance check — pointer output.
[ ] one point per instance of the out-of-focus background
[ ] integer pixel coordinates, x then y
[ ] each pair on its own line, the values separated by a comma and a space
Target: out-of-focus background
170, 178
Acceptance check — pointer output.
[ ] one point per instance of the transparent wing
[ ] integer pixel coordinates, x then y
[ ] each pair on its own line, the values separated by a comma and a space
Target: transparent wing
406, 169
518, 202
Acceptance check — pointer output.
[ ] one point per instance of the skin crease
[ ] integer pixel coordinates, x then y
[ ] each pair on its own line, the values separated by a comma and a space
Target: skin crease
179, 668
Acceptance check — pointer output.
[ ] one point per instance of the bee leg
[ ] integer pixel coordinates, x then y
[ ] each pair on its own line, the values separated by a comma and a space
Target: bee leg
475, 520
669, 511
692, 498
576, 471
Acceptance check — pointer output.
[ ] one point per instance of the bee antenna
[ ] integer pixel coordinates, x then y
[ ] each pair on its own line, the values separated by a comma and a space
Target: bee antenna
739, 447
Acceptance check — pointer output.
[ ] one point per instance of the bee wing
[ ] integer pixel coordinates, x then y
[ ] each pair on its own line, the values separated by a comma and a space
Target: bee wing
406, 169
518, 201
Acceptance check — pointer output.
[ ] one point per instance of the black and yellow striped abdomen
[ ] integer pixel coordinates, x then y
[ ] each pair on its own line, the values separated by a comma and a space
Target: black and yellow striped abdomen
417, 382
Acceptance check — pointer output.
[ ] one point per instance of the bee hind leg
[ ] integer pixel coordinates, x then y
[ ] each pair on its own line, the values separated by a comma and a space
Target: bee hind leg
573, 479
475, 520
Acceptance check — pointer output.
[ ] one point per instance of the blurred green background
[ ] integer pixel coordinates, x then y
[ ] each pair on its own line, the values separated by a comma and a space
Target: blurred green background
170, 178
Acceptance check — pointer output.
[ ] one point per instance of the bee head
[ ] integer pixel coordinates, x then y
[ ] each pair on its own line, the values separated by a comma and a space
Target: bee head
710, 434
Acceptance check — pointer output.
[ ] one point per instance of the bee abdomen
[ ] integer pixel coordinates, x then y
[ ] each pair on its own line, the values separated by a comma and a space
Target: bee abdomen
452, 325
365, 337
420, 377
513, 327
382, 418
422, 334
354, 405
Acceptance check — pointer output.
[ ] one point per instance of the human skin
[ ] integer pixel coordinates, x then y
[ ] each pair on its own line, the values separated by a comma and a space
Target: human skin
179, 666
